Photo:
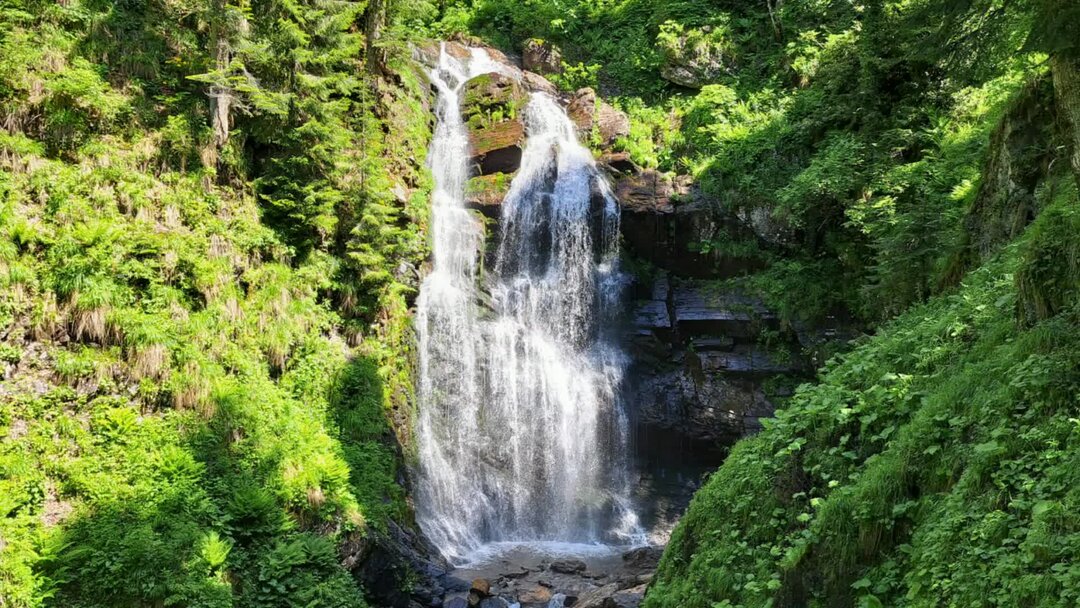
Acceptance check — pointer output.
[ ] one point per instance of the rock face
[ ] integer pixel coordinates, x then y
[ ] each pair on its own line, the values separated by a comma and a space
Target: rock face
397, 567
493, 106
597, 121
696, 57
666, 221
541, 57
701, 365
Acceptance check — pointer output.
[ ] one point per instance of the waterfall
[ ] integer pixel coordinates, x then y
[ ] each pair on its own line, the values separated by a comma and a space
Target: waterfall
521, 433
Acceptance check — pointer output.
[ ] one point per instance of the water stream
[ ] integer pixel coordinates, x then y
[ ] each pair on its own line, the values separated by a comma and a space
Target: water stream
522, 436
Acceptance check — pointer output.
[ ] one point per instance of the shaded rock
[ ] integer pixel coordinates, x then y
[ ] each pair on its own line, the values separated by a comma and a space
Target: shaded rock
697, 57
568, 566
699, 370
493, 105
619, 163
456, 602
541, 57
383, 562
669, 223
596, 120
643, 558
494, 602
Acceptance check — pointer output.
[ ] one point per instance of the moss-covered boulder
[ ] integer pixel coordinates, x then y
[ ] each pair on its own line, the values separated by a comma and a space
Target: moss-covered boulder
493, 107
487, 192
695, 57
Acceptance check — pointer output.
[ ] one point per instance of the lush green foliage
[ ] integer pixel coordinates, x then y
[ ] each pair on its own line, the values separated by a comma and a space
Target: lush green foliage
936, 464
201, 347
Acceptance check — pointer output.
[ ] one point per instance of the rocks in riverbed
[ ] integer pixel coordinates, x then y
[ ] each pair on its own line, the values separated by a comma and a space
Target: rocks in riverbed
642, 558
568, 566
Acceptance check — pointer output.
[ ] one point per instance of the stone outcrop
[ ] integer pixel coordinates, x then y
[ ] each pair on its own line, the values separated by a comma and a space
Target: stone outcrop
667, 221
493, 107
541, 57
700, 366
597, 121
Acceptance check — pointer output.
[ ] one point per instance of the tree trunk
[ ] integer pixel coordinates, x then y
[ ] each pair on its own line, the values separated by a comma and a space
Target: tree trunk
374, 22
1066, 73
220, 95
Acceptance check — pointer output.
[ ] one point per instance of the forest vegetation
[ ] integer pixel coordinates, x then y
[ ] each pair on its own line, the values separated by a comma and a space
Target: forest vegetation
213, 218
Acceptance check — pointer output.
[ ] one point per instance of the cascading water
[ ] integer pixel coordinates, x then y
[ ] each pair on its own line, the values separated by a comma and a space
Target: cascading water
521, 434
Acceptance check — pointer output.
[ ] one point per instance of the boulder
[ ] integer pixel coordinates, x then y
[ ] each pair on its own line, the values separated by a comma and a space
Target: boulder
537, 595
541, 57
493, 106
627, 598
456, 602
568, 566
481, 586
596, 120
697, 57
536, 82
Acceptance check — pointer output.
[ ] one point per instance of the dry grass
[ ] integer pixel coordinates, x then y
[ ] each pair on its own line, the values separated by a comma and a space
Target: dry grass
150, 361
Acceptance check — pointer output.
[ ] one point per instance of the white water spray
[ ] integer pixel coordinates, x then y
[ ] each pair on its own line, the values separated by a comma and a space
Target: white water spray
522, 437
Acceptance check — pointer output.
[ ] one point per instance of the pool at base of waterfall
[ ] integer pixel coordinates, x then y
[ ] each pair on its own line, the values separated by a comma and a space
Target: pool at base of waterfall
552, 575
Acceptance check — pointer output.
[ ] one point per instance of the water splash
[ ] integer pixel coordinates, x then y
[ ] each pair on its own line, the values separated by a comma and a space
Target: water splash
521, 433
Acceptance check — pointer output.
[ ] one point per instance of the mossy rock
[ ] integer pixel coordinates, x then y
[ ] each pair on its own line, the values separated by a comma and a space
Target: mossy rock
493, 107
487, 192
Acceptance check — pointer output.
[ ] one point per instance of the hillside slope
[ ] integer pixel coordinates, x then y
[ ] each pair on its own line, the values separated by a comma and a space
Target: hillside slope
210, 219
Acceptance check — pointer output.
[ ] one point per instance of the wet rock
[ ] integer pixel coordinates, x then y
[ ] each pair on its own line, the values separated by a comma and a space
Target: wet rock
541, 57
568, 566
454, 584
487, 192
536, 595
456, 602
596, 120
493, 106
697, 57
